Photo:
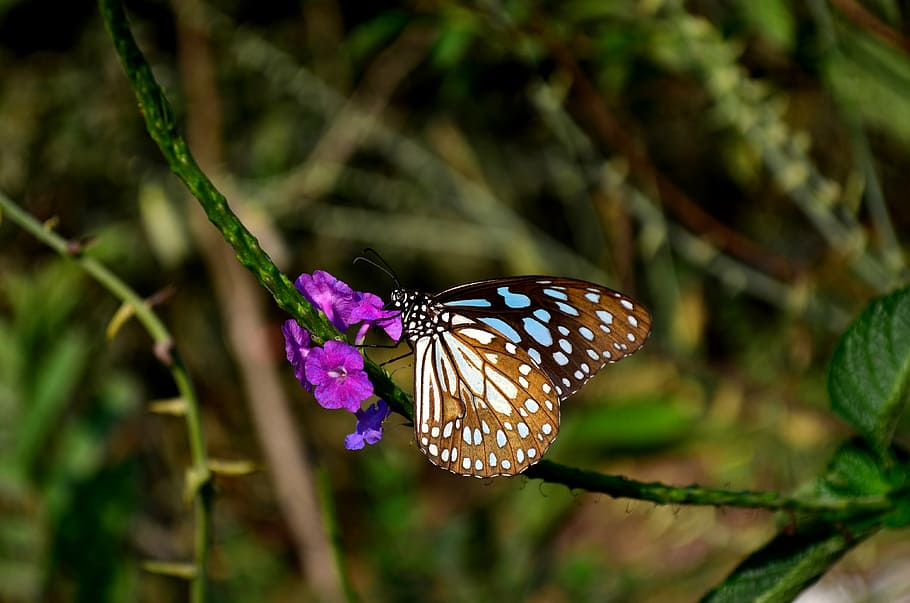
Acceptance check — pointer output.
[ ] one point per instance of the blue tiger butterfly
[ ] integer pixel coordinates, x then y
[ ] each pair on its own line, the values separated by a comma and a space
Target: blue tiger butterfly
494, 359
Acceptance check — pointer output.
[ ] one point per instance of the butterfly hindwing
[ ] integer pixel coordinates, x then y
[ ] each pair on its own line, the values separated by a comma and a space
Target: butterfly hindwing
570, 328
482, 407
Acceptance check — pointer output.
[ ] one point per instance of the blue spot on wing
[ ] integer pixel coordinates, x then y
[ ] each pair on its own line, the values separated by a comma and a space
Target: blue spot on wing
538, 331
468, 303
514, 300
567, 309
555, 294
502, 327
542, 314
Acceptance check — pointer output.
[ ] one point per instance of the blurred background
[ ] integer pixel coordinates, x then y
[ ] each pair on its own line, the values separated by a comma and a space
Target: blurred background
740, 167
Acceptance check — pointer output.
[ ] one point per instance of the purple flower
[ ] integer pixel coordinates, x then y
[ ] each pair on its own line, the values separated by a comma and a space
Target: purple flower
369, 426
334, 297
369, 309
344, 307
297, 346
336, 372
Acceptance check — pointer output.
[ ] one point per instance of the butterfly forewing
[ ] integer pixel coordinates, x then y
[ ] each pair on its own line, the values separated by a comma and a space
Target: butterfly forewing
495, 358
570, 328
482, 407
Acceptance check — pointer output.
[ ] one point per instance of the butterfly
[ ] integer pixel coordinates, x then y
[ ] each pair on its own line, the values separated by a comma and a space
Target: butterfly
494, 359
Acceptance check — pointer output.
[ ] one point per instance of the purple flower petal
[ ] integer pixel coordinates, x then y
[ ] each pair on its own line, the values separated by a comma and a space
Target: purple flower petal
370, 309
369, 426
334, 297
353, 441
297, 347
336, 371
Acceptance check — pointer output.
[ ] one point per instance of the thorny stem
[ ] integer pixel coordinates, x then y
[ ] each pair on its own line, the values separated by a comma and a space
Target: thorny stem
198, 481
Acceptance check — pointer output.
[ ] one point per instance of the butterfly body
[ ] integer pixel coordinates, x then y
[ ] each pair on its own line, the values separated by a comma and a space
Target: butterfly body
494, 359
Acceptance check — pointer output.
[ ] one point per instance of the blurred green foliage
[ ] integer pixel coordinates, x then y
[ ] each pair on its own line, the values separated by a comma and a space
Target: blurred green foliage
69, 480
737, 166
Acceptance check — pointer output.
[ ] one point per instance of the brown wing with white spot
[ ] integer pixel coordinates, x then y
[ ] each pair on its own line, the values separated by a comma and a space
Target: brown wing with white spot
482, 406
569, 328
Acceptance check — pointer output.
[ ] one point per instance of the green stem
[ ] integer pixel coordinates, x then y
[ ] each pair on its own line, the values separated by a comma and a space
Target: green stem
164, 342
159, 120
621, 487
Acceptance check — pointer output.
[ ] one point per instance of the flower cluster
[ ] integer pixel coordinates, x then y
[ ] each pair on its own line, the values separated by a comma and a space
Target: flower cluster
334, 372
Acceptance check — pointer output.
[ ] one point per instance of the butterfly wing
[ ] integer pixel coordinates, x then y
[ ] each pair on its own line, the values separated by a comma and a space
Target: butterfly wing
483, 408
569, 328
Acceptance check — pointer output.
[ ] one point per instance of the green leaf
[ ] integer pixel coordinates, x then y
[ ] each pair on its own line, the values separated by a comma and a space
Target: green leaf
871, 79
56, 378
807, 547
856, 471
869, 376
789, 564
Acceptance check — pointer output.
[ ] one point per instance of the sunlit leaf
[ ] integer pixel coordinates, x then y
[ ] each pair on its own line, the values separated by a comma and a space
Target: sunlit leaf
232, 468
175, 407
186, 571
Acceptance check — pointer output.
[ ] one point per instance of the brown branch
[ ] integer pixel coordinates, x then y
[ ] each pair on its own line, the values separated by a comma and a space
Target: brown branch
353, 122
867, 20
687, 211
245, 318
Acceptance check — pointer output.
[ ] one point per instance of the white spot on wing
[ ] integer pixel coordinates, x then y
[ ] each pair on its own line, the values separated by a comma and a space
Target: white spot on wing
483, 337
605, 317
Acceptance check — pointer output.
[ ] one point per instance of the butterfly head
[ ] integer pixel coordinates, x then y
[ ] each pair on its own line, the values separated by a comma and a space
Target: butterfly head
415, 308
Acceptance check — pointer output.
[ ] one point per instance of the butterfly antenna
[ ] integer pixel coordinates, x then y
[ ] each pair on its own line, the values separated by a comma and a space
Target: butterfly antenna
381, 264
